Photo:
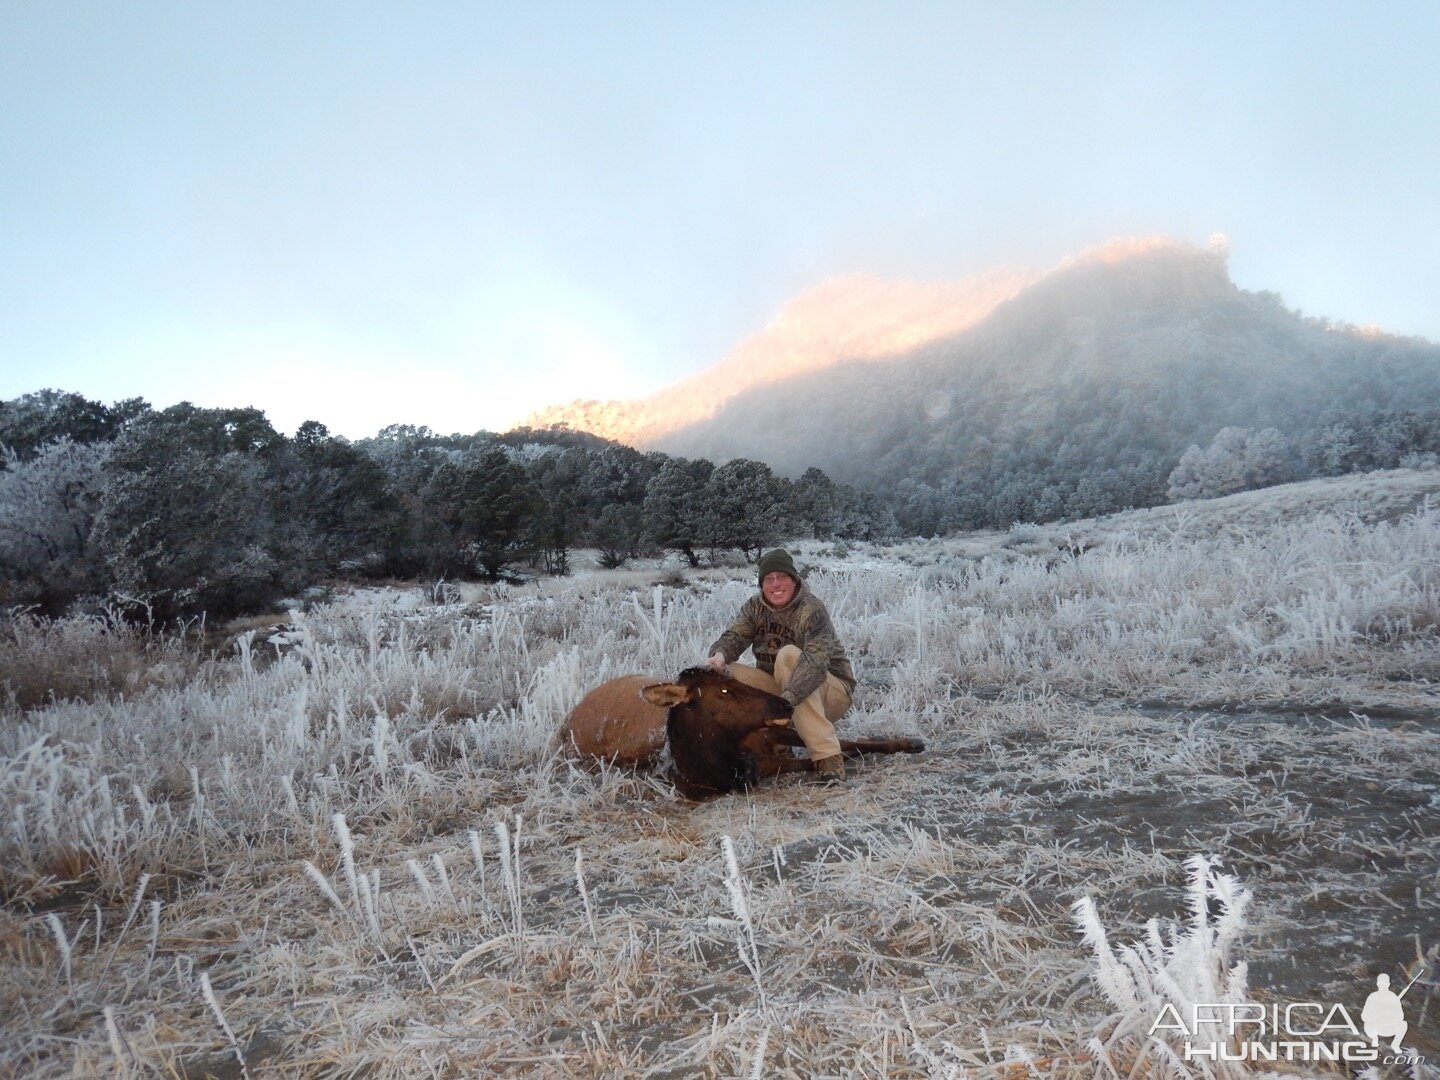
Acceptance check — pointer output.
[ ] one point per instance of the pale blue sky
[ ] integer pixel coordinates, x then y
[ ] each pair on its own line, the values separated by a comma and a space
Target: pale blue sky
450, 213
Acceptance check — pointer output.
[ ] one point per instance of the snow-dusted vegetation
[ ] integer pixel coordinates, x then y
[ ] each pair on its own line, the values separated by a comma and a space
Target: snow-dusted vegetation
345, 847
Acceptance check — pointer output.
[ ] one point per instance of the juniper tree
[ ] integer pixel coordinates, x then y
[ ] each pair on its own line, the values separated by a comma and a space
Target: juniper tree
743, 507
674, 506
487, 504
47, 516
185, 516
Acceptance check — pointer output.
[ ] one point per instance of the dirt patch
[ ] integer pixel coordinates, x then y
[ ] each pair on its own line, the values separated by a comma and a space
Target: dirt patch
1331, 821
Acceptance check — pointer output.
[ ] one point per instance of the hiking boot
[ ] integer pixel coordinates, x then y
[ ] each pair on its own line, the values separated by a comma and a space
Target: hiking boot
829, 770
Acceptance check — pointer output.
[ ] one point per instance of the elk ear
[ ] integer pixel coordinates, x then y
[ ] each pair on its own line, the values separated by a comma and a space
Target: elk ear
667, 695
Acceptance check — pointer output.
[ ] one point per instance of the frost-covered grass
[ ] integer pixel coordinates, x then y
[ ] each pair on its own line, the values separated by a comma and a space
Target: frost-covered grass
352, 851
1277, 615
83, 658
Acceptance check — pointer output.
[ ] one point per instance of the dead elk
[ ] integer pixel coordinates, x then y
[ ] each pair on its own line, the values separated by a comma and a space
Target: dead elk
726, 735
614, 724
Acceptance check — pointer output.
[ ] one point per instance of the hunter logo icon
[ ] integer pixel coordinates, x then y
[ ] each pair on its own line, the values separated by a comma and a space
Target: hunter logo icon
1383, 1015
1310, 1031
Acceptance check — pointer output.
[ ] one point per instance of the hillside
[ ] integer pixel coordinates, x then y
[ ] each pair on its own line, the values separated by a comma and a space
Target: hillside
855, 318
1074, 393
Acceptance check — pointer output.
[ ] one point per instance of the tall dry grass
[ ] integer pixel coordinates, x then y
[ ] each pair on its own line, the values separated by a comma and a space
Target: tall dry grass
84, 659
180, 892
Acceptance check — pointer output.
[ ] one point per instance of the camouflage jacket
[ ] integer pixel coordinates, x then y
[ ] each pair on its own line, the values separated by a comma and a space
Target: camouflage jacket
804, 623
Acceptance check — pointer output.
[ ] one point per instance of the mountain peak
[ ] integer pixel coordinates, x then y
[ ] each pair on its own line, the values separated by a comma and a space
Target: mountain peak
1125, 248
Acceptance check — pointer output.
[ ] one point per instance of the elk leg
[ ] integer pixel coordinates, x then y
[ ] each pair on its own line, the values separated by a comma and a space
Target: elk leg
774, 757
874, 744
770, 747
892, 745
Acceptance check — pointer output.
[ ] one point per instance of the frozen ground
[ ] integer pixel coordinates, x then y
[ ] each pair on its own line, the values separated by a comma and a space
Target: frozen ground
354, 855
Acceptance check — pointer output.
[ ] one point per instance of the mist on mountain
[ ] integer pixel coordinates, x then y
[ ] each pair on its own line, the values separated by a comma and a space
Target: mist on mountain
1012, 397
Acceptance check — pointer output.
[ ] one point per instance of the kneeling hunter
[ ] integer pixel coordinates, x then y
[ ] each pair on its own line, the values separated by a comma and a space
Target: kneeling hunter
789, 630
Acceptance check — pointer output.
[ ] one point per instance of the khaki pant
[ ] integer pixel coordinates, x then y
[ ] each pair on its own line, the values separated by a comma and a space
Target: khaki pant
815, 716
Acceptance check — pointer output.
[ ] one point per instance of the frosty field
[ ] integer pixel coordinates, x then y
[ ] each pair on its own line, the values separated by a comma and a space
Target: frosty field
351, 851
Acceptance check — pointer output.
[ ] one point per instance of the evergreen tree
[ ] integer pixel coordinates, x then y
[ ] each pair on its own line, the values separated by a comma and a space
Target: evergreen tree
185, 517
31, 421
743, 507
814, 503
673, 511
486, 505
335, 512
47, 515
617, 535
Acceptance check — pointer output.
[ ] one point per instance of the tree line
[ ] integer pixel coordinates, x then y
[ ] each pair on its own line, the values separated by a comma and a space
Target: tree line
173, 512
1069, 477
182, 510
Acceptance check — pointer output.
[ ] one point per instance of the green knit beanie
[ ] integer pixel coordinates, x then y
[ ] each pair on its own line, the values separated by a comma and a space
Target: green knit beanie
780, 560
